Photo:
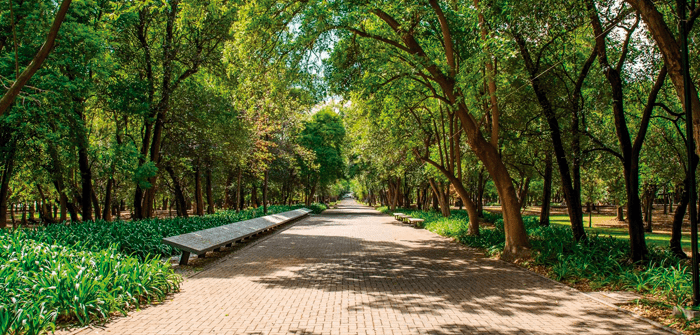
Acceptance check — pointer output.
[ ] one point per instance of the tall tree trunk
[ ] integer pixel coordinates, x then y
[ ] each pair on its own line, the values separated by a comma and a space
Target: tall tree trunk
44, 211
198, 191
481, 188
679, 215
572, 194
210, 195
522, 195
228, 201
12, 215
5, 186
95, 203
546, 191
630, 151
239, 189
267, 171
441, 197
180, 203
85, 180
254, 195
107, 212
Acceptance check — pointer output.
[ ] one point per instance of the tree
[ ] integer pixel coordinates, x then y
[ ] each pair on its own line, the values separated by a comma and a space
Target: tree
323, 135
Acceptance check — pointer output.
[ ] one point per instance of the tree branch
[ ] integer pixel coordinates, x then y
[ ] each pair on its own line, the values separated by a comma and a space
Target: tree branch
9, 97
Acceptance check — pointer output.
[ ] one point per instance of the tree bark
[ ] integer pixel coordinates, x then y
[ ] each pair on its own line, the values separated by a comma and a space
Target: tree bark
630, 151
254, 195
441, 197
679, 215
571, 193
670, 50
5, 185
9, 97
95, 203
180, 203
210, 195
267, 171
546, 191
107, 212
198, 191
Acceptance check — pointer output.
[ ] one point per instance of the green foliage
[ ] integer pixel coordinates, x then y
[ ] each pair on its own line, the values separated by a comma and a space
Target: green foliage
602, 261
318, 208
45, 283
139, 238
324, 135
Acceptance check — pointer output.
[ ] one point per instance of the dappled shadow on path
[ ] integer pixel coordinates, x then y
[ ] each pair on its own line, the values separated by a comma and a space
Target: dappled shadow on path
412, 272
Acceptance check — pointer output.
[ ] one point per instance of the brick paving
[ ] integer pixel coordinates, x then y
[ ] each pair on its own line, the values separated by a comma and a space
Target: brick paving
355, 271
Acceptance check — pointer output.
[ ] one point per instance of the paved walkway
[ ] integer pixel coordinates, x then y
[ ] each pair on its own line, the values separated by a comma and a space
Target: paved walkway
354, 271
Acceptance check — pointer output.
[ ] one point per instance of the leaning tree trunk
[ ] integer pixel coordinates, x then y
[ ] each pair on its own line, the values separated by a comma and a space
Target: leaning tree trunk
441, 197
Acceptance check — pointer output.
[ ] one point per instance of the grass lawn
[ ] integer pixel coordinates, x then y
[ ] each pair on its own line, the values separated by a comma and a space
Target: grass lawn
652, 238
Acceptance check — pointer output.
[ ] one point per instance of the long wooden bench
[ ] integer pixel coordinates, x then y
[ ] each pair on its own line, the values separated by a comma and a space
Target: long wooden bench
199, 242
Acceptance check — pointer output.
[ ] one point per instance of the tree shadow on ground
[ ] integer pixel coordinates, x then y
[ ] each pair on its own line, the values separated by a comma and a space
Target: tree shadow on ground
420, 275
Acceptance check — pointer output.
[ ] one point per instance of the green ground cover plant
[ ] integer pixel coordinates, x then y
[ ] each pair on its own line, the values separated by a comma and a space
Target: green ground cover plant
45, 284
81, 272
601, 261
140, 238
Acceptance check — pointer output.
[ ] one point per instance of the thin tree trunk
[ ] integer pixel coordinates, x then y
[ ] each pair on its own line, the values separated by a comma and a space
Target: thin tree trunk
107, 212
95, 203
210, 195
5, 186
180, 203
267, 171
254, 195
679, 215
546, 191
239, 199
198, 191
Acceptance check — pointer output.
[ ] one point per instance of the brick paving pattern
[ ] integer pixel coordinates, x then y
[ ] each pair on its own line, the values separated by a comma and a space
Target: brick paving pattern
355, 271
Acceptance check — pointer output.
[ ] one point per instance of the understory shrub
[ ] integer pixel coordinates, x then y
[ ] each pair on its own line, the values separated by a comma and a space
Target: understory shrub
43, 284
317, 208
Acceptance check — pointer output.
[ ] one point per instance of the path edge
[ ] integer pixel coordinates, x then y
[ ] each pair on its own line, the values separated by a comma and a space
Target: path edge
630, 313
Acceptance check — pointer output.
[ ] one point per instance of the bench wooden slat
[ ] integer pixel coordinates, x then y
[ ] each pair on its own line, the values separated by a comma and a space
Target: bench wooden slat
199, 242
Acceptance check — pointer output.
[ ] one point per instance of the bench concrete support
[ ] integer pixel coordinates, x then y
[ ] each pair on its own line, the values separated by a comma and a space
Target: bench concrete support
184, 258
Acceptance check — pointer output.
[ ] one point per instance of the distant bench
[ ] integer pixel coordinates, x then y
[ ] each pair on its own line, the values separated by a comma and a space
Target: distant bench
199, 242
407, 219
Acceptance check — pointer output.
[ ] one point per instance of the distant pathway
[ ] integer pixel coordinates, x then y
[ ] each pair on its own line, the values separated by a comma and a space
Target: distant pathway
355, 271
